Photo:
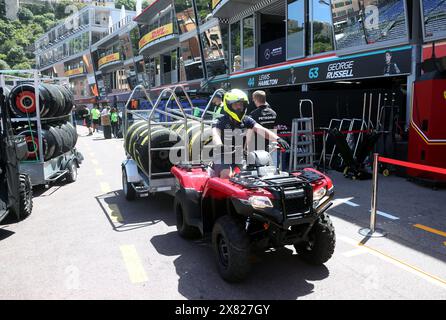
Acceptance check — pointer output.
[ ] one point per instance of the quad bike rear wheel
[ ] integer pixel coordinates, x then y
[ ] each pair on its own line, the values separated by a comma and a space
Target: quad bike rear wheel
232, 249
184, 230
322, 243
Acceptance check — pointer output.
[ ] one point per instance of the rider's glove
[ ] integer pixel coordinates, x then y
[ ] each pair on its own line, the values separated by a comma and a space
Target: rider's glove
283, 144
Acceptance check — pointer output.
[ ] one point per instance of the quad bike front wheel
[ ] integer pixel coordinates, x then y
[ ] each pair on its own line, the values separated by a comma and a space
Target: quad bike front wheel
322, 243
232, 249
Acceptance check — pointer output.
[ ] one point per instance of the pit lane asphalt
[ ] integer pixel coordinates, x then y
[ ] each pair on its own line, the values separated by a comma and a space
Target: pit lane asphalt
85, 241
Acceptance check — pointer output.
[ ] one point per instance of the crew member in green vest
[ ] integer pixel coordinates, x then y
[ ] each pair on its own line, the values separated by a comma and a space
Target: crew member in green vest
114, 118
218, 102
95, 116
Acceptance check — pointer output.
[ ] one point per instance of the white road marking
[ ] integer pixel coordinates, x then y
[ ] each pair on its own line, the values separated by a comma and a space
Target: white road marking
354, 252
339, 201
386, 215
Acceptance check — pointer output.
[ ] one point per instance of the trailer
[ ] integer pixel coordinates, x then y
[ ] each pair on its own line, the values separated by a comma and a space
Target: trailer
138, 181
41, 171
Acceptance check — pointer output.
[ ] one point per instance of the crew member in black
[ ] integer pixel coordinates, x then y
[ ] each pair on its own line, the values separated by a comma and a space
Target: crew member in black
263, 115
227, 133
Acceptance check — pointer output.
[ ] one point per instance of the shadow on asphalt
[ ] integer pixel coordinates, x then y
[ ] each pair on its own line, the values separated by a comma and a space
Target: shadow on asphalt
137, 214
5, 234
412, 203
275, 275
41, 191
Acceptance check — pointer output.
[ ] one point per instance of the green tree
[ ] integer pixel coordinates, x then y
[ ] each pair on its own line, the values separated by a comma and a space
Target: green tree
6, 31
22, 66
4, 65
128, 4
146, 3
25, 15
43, 22
16, 55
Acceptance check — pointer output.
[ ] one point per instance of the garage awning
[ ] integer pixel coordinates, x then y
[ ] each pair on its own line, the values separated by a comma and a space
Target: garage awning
234, 9
152, 11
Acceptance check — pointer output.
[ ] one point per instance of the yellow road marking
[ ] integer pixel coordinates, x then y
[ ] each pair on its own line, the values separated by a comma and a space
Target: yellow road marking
396, 262
105, 187
133, 264
431, 230
405, 265
99, 172
114, 213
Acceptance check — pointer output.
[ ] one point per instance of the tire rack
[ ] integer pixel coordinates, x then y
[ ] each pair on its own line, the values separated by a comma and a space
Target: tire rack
162, 181
40, 171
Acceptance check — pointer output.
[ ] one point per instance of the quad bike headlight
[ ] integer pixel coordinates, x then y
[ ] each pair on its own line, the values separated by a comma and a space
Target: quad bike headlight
259, 202
319, 194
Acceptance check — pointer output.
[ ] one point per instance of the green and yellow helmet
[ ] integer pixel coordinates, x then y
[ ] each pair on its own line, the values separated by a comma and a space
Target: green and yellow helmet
231, 97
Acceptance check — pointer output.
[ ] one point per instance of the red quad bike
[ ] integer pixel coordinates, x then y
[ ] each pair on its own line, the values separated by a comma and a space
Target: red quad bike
258, 208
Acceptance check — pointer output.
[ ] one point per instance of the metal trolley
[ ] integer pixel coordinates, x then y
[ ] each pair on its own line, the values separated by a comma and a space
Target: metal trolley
140, 182
42, 172
136, 180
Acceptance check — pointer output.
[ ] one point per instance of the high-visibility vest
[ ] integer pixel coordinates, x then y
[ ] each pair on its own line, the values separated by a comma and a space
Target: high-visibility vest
95, 114
114, 117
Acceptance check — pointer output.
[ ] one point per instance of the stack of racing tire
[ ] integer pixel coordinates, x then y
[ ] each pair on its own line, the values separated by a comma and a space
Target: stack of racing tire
137, 144
55, 105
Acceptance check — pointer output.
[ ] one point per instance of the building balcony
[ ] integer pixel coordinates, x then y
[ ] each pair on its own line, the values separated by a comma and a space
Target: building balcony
75, 72
110, 61
158, 40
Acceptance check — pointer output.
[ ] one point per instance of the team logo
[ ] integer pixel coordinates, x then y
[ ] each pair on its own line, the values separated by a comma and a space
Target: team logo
444, 95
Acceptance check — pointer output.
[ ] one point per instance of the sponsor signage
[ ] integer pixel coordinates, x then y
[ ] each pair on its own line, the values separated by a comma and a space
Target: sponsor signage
272, 52
107, 59
73, 72
156, 34
370, 65
215, 3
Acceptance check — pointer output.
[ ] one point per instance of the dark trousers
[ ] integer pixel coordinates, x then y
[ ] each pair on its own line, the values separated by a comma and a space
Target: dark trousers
115, 129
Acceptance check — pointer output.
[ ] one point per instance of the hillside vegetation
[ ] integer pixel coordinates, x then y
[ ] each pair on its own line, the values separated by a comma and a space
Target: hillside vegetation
17, 37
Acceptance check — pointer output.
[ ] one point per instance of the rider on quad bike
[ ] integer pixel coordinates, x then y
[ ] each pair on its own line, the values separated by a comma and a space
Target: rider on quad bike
231, 125
258, 207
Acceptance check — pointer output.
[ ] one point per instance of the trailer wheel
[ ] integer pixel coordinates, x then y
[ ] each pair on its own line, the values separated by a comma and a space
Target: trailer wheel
322, 243
26, 196
72, 172
129, 192
184, 230
232, 249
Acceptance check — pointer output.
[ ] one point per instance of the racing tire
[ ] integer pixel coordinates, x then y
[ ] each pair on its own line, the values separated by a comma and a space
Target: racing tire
25, 196
58, 141
232, 249
72, 172
322, 243
127, 188
184, 230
